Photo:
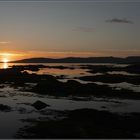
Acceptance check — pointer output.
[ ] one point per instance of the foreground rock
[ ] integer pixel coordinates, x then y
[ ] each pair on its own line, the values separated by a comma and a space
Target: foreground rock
20, 78
40, 105
60, 67
112, 78
133, 68
85, 123
73, 88
28, 67
5, 108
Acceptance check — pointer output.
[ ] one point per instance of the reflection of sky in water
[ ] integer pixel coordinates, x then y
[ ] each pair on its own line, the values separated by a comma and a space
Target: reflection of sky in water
4, 65
76, 72
123, 85
67, 72
76, 65
121, 72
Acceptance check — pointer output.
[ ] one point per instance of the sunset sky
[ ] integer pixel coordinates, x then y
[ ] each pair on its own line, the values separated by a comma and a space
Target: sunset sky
69, 28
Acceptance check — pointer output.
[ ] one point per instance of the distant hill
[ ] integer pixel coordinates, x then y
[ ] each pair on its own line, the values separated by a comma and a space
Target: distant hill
127, 60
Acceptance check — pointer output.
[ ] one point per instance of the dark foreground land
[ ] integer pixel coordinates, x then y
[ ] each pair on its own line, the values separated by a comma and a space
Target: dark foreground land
79, 123
84, 123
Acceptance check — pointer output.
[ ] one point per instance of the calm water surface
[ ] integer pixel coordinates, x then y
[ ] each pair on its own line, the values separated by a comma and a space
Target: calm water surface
55, 71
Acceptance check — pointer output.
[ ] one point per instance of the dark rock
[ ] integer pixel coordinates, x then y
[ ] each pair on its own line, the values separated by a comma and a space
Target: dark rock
113, 78
5, 108
85, 123
28, 67
61, 76
39, 105
133, 68
58, 67
103, 107
56, 88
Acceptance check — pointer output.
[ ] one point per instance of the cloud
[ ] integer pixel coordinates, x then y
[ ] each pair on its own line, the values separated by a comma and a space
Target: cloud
4, 42
120, 20
10, 54
83, 29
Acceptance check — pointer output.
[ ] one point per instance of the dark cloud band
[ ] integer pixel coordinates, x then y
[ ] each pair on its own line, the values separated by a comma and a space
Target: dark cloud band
119, 20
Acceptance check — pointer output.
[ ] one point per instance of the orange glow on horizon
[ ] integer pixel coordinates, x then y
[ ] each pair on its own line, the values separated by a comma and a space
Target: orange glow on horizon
19, 55
5, 57
5, 60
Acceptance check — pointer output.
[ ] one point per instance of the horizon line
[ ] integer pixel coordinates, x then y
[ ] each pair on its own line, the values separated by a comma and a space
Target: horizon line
70, 57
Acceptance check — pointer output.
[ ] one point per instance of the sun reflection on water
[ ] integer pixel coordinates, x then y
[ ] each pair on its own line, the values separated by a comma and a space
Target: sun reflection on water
5, 61
5, 65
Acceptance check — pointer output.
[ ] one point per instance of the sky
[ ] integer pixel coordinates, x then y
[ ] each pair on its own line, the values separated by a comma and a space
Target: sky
66, 28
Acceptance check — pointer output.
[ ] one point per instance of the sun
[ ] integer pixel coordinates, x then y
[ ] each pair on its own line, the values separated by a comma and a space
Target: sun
5, 60
5, 57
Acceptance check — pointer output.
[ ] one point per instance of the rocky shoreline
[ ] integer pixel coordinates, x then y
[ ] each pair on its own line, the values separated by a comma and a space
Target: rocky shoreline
74, 123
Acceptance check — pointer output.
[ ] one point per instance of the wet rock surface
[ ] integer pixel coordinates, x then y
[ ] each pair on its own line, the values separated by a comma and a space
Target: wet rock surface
5, 108
84, 123
112, 78
28, 67
40, 105
133, 68
74, 88
60, 67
